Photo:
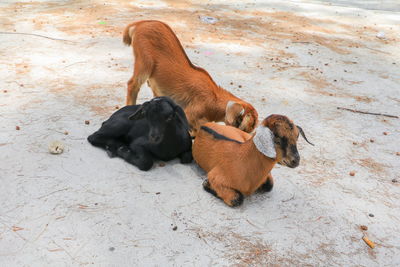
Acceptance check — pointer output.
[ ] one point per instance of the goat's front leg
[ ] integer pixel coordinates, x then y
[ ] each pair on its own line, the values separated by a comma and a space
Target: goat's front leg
231, 197
186, 157
136, 155
268, 185
107, 142
195, 118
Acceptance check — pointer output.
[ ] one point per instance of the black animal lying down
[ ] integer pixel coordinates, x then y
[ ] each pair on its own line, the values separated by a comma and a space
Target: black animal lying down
157, 129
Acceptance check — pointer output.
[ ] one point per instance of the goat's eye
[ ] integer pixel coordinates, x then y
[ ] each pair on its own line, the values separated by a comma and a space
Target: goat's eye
169, 119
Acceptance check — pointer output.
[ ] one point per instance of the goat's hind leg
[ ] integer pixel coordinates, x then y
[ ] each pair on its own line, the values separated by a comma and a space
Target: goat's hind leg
108, 143
141, 73
136, 155
231, 197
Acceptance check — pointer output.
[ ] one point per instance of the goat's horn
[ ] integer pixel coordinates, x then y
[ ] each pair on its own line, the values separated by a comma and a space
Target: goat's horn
304, 136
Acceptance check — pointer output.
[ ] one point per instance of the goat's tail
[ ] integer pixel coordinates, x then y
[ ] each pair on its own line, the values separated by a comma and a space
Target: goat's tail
128, 33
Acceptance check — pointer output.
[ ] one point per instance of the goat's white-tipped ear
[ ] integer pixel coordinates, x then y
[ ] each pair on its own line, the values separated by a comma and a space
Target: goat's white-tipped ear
264, 141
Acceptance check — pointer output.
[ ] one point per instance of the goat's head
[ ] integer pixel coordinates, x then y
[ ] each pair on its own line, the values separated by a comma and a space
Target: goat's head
284, 136
242, 116
160, 112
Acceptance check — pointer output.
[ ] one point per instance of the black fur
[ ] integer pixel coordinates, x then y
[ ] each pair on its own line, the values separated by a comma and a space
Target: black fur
266, 187
157, 129
207, 187
218, 136
234, 203
238, 200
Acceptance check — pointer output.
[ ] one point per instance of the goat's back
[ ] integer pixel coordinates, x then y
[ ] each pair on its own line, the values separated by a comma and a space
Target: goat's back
217, 145
170, 71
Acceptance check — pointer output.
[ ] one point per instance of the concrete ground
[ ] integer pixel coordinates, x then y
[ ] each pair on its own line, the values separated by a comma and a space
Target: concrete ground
302, 59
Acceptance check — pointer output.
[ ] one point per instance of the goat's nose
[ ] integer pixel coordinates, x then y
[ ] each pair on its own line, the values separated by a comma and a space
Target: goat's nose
294, 163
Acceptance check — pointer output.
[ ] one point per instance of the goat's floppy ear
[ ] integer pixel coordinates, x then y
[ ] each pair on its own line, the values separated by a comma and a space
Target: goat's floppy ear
180, 114
264, 141
232, 110
138, 114
302, 134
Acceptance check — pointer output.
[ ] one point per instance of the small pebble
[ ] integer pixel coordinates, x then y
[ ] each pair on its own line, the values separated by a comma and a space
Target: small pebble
162, 164
239, 86
352, 173
355, 143
17, 128
66, 133
87, 122
116, 107
371, 140
385, 133
5, 91
231, 83
397, 153
394, 180
363, 227
175, 228
111, 249
157, 193
371, 215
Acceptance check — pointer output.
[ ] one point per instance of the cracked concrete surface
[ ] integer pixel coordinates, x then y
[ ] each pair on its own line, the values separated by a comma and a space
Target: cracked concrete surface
302, 59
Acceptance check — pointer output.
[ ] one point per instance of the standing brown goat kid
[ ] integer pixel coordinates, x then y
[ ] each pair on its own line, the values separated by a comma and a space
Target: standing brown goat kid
161, 60
238, 164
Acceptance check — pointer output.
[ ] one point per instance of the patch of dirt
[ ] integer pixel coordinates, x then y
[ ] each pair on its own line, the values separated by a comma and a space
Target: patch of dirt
76, 17
90, 96
245, 250
372, 165
22, 68
320, 86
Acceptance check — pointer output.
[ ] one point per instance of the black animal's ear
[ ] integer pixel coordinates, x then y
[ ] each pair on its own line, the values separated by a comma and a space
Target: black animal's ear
302, 134
180, 114
139, 114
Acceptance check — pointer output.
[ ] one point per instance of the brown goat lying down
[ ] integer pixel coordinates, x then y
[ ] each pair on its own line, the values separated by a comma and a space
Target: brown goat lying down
161, 60
238, 163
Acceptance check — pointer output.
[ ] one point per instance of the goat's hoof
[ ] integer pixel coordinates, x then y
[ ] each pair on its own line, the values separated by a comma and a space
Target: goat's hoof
110, 153
266, 187
186, 157
238, 200
206, 184
207, 187
90, 138
145, 166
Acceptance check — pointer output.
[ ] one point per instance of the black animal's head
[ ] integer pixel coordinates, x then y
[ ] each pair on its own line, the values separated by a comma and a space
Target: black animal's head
160, 112
285, 138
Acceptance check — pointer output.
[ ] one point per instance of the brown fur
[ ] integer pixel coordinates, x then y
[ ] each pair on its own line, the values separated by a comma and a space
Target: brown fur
161, 60
232, 167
